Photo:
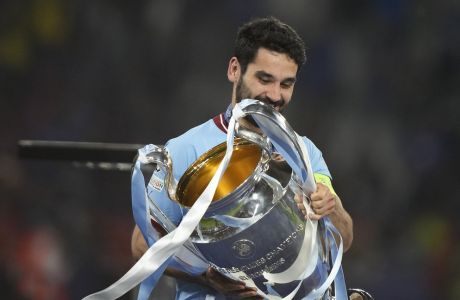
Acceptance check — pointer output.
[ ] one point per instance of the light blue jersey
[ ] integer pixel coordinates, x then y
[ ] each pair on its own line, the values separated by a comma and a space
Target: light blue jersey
185, 150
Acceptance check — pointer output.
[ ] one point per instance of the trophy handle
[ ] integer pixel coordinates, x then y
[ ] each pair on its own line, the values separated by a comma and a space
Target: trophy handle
160, 156
189, 256
283, 137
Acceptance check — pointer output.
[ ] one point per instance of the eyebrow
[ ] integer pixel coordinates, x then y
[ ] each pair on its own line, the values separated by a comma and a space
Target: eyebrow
268, 75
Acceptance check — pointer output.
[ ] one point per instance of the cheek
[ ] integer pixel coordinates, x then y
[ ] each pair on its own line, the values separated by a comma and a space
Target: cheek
258, 92
288, 94
254, 89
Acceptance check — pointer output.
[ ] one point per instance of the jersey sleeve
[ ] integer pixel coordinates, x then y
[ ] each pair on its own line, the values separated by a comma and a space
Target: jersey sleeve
318, 163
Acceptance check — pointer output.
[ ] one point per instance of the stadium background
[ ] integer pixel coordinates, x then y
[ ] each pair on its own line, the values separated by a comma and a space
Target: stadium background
379, 95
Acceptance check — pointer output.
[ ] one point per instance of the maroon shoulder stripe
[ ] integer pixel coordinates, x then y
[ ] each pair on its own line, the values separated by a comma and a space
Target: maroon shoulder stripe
219, 120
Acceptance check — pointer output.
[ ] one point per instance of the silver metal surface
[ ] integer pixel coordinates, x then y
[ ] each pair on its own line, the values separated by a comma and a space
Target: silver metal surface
258, 227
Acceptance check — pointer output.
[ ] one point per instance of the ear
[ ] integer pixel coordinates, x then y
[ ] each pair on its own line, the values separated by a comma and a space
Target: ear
234, 70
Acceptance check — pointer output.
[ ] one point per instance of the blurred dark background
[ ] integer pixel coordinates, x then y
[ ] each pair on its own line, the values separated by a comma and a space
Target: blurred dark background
379, 96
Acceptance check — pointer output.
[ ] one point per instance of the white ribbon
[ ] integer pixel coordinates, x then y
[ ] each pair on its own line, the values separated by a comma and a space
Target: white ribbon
305, 262
315, 294
167, 246
158, 254
338, 260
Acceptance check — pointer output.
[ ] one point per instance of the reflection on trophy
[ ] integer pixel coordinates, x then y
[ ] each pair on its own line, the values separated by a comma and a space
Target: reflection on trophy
250, 228
253, 219
253, 230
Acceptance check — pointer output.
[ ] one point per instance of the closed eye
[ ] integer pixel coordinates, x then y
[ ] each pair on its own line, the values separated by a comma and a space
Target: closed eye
265, 79
286, 84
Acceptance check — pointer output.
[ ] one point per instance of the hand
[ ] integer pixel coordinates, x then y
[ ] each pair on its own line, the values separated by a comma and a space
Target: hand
229, 287
298, 198
323, 202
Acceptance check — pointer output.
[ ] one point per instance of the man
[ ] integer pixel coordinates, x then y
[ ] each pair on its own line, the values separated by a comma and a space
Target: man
268, 55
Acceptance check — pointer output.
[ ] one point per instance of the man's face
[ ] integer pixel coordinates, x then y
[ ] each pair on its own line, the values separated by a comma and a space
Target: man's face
270, 78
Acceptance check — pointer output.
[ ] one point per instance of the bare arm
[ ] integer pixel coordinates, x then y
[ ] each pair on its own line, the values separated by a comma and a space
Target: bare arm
344, 223
138, 244
326, 203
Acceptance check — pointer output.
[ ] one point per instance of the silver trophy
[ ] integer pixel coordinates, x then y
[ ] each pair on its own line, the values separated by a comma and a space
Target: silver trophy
253, 227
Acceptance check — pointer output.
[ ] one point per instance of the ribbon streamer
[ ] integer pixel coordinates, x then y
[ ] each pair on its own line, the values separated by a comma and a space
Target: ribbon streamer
155, 259
159, 255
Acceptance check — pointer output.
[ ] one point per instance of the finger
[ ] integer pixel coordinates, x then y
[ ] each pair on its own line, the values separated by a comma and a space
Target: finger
321, 187
316, 196
247, 293
314, 217
228, 289
297, 197
223, 283
327, 212
329, 206
301, 206
317, 204
216, 275
322, 191
258, 297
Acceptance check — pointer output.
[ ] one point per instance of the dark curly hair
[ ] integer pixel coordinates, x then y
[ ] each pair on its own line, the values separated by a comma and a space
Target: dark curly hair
269, 33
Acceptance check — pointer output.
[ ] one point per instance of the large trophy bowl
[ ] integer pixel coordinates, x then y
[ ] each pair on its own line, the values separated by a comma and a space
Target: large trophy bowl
253, 226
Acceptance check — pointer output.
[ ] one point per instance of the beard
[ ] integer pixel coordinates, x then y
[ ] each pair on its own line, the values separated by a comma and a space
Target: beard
243, 92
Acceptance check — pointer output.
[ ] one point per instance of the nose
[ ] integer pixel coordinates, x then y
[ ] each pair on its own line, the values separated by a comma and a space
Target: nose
274, 92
